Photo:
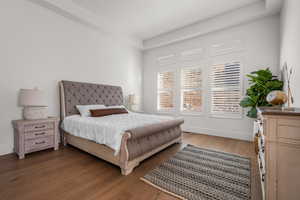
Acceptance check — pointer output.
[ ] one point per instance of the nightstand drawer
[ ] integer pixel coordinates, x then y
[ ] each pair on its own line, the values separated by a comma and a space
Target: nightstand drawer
39, 144
38, 127
38, 134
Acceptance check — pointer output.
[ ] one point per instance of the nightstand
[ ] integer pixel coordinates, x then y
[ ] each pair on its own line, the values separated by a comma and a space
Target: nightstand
35, 135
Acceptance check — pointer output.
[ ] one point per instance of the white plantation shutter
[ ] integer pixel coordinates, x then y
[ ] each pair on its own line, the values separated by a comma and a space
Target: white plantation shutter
192, 55
226, 89
191, 89
166, 85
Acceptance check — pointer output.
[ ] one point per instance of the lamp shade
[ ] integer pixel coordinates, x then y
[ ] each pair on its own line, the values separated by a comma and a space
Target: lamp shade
133, 99
32, 97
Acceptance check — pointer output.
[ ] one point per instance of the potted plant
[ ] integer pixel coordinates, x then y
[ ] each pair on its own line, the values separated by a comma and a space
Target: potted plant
262, 82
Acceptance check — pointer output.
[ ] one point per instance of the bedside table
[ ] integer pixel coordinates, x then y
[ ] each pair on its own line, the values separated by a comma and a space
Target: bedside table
35, 135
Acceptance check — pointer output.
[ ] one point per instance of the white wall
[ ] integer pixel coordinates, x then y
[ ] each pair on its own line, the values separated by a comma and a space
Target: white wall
290, 43
39, 48
261, 50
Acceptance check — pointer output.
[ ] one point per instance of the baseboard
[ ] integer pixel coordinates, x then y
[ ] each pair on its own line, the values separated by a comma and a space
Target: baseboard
2, 153
215, 132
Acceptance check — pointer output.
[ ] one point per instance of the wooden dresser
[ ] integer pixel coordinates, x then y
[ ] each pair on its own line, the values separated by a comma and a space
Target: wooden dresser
279, 153
35, 135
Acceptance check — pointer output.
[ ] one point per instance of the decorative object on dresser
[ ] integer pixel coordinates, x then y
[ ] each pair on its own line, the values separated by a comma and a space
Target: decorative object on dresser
279, 150
287, 74
277, 98
34, 102
35, 135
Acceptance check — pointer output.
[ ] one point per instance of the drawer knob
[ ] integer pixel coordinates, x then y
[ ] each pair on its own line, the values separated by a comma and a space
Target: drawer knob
42, 133
43, 126
40, 142
263, 177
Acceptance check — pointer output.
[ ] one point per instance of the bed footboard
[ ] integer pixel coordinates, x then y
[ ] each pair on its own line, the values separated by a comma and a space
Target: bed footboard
133, 151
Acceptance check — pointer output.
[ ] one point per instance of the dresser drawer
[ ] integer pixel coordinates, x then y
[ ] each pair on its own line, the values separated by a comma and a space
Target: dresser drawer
39, 127
289, 132
38, 134
39, 143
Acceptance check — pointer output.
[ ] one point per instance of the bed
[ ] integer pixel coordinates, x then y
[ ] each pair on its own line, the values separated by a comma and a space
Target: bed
135, 144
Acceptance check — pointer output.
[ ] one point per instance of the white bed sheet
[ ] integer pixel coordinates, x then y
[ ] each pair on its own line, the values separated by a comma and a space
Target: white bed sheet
108, 130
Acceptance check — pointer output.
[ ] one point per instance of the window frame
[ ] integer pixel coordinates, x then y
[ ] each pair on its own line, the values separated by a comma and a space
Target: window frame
181, 90
158, 90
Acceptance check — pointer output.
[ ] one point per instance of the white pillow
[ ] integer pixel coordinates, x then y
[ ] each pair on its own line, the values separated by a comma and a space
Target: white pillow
84, 110
120, 106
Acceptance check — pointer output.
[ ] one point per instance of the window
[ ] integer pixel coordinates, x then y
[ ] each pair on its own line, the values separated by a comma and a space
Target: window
226, 89
191, 93
166, 85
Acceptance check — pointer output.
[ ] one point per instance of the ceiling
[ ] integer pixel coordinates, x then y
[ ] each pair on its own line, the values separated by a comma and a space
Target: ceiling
145, 19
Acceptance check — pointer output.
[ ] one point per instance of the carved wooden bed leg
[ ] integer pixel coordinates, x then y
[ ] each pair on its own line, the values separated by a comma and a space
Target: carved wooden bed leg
129, 167
180, 141
125, 166
65, 141
125, 172
64, 138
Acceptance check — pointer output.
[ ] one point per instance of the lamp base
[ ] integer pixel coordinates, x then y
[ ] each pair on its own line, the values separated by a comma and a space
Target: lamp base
35, 112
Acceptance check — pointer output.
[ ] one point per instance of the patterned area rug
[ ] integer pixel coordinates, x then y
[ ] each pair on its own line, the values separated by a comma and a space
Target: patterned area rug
201, 174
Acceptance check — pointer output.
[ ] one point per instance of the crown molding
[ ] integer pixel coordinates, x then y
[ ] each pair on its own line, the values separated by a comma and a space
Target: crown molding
226, 20
70, 10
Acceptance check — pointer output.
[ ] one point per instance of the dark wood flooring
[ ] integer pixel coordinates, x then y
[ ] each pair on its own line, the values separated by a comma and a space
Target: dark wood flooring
71, 174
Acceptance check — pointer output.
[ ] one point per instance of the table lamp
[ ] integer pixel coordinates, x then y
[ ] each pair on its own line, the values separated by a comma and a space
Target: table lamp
132, 101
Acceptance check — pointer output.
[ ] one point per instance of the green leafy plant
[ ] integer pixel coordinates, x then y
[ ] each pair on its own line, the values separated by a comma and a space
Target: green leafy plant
262, 82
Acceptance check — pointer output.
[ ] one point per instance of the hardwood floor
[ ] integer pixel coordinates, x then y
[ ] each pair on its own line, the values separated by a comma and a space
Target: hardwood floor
71, 174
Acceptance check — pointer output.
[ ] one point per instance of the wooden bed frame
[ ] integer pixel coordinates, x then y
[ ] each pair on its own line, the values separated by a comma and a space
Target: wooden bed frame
104, 152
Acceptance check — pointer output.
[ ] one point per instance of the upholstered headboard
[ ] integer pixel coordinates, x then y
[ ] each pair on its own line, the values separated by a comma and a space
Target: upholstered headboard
77, 93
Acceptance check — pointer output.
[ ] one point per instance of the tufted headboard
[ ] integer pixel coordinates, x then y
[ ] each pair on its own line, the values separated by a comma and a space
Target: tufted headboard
77, 93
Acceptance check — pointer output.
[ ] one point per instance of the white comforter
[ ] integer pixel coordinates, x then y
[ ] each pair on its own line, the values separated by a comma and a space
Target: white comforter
108, 130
